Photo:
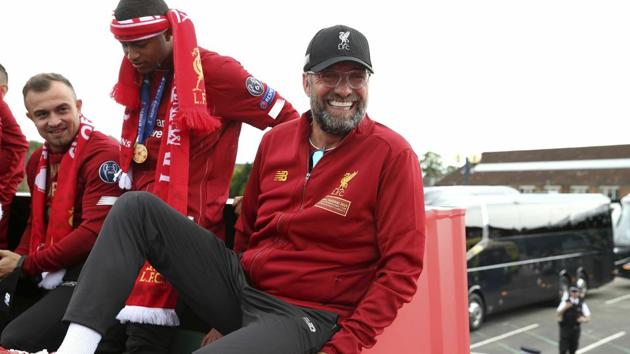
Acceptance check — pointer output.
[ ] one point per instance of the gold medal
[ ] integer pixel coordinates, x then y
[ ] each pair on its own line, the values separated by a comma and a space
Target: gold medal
140, 153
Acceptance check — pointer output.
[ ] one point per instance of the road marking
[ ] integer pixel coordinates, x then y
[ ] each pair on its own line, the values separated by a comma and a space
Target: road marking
617, 299
544, 339
505, 335
601, 342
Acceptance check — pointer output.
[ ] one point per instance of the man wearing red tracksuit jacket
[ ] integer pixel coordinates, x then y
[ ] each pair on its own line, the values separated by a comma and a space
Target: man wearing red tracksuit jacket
343, 237
13, 147
331, 231
71, 178
96, 193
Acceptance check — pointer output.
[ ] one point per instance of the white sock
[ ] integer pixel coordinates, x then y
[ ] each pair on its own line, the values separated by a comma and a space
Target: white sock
79, 340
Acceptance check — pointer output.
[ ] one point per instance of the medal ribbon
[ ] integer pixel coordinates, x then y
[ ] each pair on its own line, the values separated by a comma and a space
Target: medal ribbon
147, 119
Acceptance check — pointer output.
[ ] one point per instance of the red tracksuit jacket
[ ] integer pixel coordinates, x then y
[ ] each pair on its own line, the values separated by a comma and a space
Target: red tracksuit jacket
13, 147
348, 237
95, 181
212, 156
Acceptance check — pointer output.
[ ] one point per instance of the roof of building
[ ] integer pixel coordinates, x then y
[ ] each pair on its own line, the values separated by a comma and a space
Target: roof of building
562, 154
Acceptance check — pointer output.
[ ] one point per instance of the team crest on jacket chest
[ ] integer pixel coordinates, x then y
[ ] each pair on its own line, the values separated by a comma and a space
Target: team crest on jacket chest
343, 185
334, 202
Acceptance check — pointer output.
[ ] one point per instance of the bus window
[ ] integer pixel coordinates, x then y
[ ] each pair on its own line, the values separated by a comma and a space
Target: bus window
474, 227
473, 236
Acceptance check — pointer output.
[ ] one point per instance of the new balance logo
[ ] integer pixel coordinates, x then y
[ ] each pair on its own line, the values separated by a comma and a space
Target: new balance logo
281, 176
310, 324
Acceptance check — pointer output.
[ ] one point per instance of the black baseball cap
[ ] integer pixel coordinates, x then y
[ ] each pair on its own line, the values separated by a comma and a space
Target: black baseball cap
573, 289
334, 44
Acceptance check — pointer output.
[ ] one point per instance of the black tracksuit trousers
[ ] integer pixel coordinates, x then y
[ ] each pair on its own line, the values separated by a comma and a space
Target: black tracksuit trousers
207, 276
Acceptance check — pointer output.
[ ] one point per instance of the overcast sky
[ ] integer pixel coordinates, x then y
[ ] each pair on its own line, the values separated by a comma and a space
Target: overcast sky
453, 77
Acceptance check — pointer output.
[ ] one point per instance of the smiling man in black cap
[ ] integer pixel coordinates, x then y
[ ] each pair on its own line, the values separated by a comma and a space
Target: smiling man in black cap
331, 234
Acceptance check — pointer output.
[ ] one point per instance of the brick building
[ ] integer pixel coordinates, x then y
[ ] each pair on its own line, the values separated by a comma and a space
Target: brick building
591, 169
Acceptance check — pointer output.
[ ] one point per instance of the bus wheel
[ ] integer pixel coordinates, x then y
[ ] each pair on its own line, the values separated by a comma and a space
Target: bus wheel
476, 311
563, 286
582, 284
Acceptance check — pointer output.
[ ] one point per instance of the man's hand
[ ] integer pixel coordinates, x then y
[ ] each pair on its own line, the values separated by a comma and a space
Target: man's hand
8, 262
211, 337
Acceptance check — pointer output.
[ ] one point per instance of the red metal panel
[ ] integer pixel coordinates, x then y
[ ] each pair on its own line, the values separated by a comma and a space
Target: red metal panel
436, 320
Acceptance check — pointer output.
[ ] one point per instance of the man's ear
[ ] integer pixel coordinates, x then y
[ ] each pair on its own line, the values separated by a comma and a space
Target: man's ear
3, 90
79, 104
306, 84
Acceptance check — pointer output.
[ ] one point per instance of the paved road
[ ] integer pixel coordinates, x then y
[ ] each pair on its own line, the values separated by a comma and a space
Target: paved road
536, 326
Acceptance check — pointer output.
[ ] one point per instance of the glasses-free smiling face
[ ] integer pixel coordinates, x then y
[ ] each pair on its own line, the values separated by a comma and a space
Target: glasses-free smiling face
338, 96
150, 54
55, 113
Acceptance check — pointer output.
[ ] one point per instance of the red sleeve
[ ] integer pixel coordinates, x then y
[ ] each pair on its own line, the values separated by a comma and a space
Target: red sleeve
235, 94
4, 113
77, 245
401, 234
2, 104
13, 147
249, 206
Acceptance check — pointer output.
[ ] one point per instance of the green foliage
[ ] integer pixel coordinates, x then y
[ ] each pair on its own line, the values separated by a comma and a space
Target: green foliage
32, 146
431, 163
239, 179
433, 169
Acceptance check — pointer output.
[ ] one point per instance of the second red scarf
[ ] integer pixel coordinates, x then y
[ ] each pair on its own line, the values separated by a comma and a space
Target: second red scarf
153, 299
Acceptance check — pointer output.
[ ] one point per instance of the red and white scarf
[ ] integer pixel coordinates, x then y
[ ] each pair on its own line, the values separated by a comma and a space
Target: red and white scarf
60, 221
153, 300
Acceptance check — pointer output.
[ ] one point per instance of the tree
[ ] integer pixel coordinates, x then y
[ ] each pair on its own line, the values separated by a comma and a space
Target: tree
239, 179
432, 168
32, 146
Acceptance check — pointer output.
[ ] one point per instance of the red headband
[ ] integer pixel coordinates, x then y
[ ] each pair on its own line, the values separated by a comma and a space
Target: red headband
139, 28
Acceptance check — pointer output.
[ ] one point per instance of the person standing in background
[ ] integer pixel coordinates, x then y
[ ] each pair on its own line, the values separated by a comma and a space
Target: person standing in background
572, 312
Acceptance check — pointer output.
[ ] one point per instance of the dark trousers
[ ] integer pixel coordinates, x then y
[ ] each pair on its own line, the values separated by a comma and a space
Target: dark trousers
148, 339
207, 275
36, 318
569, 338
155, 339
